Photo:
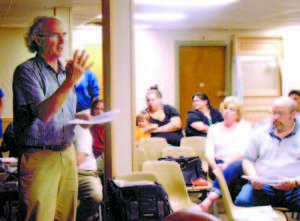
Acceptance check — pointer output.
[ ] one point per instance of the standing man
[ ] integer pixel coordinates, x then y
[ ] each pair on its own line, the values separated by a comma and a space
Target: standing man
87, 89
274, 151
44, 100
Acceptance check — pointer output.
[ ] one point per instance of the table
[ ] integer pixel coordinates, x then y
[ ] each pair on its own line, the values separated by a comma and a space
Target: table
9, 193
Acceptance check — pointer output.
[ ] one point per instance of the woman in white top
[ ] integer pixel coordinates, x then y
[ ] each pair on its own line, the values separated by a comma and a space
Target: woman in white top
226, 141
225, 146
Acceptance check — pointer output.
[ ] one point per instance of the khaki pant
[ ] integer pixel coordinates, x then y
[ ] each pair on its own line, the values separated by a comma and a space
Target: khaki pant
48, 185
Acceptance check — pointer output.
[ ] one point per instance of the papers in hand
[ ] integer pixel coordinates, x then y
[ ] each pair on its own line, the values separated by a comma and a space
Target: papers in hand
99, 119
266, 180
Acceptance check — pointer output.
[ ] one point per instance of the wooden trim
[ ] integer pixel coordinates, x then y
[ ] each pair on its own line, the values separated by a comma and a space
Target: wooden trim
106, 52
5, 122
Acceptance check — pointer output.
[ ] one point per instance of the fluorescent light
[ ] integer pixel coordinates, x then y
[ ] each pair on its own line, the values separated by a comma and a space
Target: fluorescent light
140, 26
159, 16
183, 3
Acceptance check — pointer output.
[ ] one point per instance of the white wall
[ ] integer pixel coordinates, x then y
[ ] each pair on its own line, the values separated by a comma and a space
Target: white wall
86, 36
155, 57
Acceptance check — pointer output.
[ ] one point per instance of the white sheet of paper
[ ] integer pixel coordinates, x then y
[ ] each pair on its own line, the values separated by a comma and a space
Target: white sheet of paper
265, 180
99, 119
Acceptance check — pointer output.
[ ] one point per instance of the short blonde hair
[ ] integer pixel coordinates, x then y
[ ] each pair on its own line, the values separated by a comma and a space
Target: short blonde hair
236, 103
142, 116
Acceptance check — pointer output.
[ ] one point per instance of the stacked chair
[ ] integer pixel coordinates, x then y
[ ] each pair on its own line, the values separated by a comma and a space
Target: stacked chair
150, 149
177, 152
169, 175
198, 144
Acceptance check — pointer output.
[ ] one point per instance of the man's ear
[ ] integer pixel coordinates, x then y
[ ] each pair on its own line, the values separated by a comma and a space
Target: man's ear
38, 40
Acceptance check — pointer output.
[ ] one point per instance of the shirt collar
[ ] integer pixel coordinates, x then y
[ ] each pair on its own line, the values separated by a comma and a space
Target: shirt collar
271, 130
60, 65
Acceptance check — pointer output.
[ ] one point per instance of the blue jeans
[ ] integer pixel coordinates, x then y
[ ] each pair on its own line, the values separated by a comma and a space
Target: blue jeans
232, 175
269, 196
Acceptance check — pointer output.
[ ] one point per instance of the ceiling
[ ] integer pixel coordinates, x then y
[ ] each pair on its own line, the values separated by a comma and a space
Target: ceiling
245, 14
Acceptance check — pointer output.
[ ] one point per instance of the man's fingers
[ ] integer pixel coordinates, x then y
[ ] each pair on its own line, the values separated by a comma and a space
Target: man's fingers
82, 57
75, 59
84, 61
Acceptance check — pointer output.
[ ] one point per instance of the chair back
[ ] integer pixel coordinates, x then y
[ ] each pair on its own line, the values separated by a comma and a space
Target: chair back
153, 147
138, 176
198, 144
170, 176
176, 152
227, 201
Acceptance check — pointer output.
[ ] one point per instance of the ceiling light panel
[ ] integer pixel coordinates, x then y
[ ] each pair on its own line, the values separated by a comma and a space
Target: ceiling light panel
183, 3
159, 16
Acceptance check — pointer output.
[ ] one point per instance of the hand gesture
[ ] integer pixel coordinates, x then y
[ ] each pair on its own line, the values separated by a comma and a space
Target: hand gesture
76, 67
151, 128
287, 185
256, 185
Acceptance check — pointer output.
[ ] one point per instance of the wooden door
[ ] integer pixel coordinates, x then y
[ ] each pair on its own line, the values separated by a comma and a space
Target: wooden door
201, 69
258, 66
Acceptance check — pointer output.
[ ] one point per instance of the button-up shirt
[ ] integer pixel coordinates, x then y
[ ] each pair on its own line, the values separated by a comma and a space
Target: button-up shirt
33, 82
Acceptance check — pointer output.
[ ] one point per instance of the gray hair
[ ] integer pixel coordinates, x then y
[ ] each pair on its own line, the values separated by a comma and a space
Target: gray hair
35, 28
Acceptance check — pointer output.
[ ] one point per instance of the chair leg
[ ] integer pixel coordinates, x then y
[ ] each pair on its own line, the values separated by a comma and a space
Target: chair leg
100, 213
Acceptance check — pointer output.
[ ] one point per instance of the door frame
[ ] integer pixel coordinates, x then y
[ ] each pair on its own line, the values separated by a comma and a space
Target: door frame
228, 65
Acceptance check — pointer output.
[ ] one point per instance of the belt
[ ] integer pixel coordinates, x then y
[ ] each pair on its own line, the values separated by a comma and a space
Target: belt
49, 147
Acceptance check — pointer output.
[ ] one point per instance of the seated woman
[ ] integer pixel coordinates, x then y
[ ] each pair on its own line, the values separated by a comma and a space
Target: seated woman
89, 185
97, 131
201, 117
165, 119
225, 146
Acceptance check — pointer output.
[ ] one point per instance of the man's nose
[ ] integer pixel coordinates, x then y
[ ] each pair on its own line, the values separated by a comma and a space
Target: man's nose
61, 38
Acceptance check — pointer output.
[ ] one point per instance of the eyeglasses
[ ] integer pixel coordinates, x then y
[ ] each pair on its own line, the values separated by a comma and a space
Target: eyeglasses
280, 114
54, 36
230, 109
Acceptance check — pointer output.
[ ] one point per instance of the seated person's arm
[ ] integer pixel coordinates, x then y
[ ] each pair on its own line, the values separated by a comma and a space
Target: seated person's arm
211, 159
174, 124
249, 168
200, 126
150, 127
210, 149
289, 184
80, 158
84, 115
